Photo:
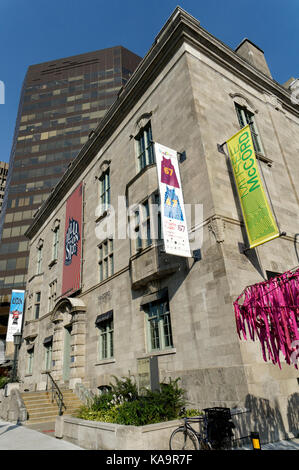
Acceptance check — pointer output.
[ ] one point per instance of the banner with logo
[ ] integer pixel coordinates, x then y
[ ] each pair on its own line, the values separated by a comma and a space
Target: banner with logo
15, 317
71, 275
173, 218
260, 224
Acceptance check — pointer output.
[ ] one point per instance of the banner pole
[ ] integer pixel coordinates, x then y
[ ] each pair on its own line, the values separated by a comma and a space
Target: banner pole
269, 195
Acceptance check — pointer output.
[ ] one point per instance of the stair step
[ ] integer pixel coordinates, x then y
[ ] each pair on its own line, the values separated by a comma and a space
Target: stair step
39, 420
49, 412
43, 413
68, 406
42, 409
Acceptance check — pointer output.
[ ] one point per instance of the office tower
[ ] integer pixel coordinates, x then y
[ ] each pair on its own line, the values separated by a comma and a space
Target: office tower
61, 102
3, 177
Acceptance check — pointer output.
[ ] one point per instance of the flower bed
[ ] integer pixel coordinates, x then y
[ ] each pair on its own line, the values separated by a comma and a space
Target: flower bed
124, 405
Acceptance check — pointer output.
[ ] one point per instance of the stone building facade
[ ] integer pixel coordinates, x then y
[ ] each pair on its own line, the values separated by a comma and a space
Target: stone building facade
135, 301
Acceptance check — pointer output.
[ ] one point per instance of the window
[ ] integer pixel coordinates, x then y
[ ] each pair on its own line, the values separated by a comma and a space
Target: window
48, 355
159, 334
105, 190
52, 294
103, 389
11, 264
247, 117
39, 259
37, 305
55, 242
106, 339
106, 264
30, 360
271, 274
147, 222
143, 226
157, 221
144, 147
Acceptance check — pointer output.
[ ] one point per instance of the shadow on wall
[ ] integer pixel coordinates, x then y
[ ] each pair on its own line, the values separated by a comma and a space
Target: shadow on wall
293, 414
266, 419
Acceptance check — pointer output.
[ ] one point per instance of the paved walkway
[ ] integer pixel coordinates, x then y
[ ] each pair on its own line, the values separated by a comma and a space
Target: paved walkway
292, 444
18, 437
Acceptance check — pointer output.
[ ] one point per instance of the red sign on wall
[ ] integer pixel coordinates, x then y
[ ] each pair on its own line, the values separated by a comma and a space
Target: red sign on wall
71, 276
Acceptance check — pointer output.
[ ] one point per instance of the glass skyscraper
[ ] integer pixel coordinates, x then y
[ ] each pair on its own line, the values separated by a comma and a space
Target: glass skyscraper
61, 102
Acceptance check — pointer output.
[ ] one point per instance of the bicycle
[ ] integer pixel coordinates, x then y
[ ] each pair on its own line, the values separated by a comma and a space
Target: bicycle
185, 437
217, 431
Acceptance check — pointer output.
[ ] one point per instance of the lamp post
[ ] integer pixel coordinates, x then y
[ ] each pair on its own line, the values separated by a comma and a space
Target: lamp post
17, 337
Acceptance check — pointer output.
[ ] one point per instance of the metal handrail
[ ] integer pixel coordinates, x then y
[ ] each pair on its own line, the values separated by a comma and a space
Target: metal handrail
57, 393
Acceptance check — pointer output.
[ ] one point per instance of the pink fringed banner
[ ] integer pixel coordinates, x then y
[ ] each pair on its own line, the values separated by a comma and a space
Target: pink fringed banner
270, 311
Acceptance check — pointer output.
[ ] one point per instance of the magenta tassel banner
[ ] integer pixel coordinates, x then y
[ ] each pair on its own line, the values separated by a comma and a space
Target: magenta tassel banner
269, 311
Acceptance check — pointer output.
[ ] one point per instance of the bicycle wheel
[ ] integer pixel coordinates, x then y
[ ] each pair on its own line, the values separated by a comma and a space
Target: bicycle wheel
183, 439
205, 445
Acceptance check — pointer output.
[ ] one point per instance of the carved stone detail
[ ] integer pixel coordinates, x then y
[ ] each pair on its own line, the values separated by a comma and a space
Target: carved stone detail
217, 226
152, 286
272, 99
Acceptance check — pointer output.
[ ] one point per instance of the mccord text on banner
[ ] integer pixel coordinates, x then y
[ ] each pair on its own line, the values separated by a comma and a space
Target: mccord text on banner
259, 221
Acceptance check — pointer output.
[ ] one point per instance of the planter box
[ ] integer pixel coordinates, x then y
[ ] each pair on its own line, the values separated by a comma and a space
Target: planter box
107, 436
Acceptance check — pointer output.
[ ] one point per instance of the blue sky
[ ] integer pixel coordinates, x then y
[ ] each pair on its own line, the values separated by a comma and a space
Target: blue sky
34, 31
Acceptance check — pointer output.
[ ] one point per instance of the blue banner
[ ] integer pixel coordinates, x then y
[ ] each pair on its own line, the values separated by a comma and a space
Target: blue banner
15, 313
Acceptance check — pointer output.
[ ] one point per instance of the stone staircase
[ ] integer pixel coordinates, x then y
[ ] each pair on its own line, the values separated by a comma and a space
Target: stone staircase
41, 409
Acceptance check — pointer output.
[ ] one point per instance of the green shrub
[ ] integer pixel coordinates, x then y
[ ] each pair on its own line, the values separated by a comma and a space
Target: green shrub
102, 402
3, 381
192, 412
124, 390
123, 405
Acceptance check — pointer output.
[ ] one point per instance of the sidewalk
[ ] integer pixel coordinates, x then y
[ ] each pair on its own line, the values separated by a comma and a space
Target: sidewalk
18, 437
292, 444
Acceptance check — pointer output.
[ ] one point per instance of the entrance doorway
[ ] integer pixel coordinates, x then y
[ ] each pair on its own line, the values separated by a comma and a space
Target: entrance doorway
67, 354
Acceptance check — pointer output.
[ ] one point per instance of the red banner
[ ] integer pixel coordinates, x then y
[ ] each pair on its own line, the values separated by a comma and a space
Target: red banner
71, 276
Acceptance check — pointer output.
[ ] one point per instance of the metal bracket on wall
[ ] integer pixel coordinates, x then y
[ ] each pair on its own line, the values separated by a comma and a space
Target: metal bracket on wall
245, 250
196, 255
220, 148
182, 156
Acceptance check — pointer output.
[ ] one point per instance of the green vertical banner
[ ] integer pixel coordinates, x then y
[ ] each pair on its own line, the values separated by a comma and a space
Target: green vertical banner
259, 220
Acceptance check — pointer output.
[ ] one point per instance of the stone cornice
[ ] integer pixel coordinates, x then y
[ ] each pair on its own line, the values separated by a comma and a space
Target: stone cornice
179, 29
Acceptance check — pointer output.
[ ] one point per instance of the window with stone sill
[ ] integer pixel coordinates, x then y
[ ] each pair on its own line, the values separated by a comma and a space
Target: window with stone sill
106, 332
146, 222
105, 190
245, 116
37, 305
52, 295
55, 246
158, 325
30, 357
144, 147
39, 259
142, 226
48, 356
105, 259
